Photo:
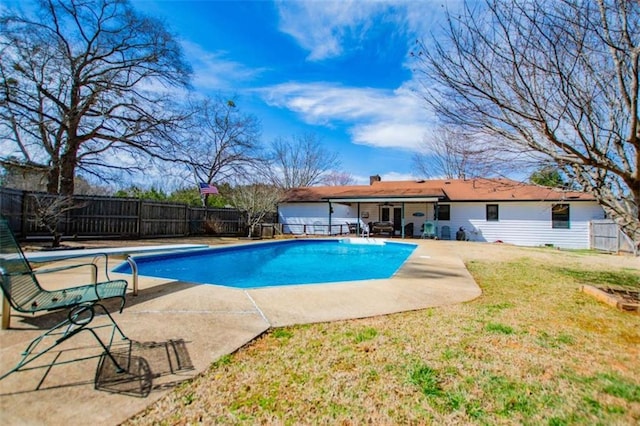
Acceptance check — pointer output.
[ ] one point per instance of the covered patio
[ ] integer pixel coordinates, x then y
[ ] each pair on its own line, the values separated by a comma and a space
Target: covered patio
404, 215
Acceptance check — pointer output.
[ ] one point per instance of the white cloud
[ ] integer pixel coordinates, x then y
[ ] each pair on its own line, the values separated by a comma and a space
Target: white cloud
325, 27
389, 134
321, 26
374, 117
394, 176
213, 70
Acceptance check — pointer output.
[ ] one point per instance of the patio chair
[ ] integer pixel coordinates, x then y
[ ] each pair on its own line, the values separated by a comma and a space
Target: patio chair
364, 230
318, 228
23, 292
445, 233
428, 230
408, 230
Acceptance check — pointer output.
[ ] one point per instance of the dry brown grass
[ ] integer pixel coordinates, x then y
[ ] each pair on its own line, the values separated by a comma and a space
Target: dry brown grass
531, 350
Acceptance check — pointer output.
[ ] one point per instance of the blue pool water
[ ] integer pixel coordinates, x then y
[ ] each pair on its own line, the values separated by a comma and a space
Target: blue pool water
279, 263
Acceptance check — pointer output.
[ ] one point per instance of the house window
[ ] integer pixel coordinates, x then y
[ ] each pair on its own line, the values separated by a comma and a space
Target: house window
443, 212
492, 213
560, 216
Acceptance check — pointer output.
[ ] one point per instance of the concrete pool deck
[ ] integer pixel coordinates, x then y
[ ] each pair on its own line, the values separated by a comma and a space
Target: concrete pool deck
181, 325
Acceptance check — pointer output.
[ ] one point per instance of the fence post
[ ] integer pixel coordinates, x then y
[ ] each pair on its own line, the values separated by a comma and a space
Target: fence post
67, 218
23, 213
186, 221
139, 220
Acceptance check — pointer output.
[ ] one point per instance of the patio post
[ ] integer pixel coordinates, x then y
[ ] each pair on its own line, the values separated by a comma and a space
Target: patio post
402, 221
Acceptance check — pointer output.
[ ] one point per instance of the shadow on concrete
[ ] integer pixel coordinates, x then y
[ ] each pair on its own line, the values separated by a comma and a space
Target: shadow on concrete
143, 363
144, 367
420, 271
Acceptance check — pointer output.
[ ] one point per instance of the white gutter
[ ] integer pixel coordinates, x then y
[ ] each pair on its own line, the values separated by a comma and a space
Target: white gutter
384, 200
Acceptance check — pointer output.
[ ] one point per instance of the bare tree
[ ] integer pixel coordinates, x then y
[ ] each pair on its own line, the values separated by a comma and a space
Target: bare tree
452, 153
300, 161
335, 178
556, 77
220, 142
50, 211
79, 79
256, 200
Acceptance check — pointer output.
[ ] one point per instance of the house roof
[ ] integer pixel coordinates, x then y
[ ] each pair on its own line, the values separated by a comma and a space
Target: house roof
442, 190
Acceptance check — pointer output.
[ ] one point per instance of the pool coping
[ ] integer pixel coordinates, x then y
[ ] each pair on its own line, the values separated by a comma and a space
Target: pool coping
213, 321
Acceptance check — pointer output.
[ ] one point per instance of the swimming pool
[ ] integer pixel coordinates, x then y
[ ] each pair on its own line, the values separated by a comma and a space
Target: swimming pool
279, 263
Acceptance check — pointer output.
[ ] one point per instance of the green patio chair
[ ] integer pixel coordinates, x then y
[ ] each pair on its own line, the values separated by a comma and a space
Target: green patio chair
23, 292
428, 230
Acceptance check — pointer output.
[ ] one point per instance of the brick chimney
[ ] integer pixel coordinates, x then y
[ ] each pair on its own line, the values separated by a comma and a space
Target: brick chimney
375, 178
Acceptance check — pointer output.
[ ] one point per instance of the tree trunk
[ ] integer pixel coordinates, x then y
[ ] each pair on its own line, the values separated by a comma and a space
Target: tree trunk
634, 232
53, 184
61, 176
68, 168
57, 238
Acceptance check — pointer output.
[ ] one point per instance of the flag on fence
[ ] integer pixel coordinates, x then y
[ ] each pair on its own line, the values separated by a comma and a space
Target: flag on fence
206, 189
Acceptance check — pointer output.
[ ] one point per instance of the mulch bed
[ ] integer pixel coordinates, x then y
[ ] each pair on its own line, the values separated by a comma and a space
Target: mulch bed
626, 295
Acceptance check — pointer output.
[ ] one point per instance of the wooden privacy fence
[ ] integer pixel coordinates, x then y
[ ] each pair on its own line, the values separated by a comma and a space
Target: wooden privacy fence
607, 236
111, 217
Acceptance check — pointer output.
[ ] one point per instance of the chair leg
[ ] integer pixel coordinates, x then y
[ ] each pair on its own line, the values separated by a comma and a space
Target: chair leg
119, 369
115, 325
77, 320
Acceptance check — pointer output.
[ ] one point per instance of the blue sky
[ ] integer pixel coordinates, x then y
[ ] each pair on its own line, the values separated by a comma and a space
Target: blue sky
339, 69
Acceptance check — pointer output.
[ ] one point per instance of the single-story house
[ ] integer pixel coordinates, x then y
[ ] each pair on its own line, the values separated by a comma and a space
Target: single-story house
492, 210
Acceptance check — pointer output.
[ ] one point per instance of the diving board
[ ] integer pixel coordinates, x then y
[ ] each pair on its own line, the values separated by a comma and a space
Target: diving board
49, 256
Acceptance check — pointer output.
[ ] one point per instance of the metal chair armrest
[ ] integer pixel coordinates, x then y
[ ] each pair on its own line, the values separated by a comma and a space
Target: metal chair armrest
64, 268
95, 256
94, 270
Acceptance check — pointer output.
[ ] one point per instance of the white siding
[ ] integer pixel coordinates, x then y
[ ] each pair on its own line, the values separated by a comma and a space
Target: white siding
525, 223
368, 212
313, 218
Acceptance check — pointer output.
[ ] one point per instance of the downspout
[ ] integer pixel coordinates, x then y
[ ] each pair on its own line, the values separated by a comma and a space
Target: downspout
402, 222
278, 218
436, 217
330, 211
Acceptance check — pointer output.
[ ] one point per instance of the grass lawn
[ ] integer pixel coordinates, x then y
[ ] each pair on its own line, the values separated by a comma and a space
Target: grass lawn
532, 349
